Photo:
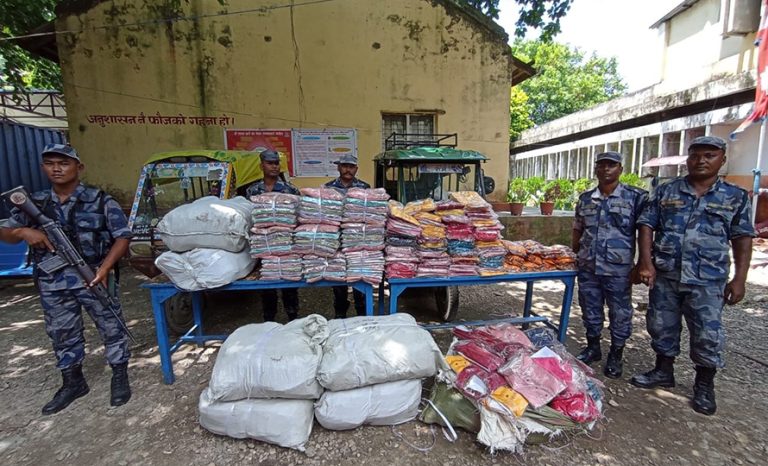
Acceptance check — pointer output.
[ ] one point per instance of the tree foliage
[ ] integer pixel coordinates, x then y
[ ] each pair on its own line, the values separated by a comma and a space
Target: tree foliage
567, 80
18, 68
544, 15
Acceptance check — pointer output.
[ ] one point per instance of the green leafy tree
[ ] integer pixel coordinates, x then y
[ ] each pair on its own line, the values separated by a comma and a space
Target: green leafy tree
519, 118
18, 68
543, 15
567, 80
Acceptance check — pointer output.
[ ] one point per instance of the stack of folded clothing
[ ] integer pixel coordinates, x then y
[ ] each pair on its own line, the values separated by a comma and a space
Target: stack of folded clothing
367, 266
401, 261
321, 205
433, 263
318, 268
319, 239
281, 268
274, 217
403, 231
366, 206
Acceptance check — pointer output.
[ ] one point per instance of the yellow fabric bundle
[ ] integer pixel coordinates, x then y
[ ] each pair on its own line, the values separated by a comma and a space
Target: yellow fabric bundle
514, 401
457, 362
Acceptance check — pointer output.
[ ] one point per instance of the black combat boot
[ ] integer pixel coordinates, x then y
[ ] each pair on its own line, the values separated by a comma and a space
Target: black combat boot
704, 391
592, 352
663, 375
121, 389
73, 387
614, 366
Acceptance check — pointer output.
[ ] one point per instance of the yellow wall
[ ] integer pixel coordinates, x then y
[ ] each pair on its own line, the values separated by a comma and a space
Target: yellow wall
334, 64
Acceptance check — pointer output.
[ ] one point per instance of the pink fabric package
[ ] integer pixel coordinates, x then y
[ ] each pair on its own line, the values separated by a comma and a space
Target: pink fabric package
580, 407
475, 382
479, 354
554, 364
535, 383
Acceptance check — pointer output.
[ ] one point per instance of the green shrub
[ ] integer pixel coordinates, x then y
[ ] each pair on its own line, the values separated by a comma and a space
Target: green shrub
518, 191
632, 179
535, 187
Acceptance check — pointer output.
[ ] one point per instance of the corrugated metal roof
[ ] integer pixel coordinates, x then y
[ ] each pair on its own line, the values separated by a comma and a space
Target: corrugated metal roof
20, 148
675, 11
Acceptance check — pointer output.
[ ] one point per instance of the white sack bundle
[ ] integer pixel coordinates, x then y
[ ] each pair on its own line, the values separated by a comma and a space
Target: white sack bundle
270, 360
364, 351
202, 269
384, 404
287, 423
209, 222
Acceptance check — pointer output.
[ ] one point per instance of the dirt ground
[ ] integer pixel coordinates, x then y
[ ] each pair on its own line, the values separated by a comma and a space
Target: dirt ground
159, 425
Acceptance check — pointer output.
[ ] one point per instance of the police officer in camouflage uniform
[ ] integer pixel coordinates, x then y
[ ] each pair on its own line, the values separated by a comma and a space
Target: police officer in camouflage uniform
271, 183
347, 166
98, 228
684, 235
604, 239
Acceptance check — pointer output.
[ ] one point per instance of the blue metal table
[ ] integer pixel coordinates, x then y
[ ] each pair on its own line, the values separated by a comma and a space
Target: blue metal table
398, 285
160, 292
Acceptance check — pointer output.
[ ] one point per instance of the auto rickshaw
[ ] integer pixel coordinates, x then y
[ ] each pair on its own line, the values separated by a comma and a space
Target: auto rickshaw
418, 166
170, 179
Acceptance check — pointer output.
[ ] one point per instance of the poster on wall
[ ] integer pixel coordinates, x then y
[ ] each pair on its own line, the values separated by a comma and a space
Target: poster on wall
316, 150
258, 140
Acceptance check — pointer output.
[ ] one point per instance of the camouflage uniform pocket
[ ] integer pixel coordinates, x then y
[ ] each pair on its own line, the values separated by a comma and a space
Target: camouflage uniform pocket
664, 259
618, 252
713, 264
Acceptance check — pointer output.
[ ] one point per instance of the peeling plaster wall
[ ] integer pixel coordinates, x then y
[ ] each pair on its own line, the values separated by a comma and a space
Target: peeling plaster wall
335, 64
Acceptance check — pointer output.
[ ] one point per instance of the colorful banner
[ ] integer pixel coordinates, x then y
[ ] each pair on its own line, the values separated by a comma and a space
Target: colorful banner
316, 150
258, 140
761, 95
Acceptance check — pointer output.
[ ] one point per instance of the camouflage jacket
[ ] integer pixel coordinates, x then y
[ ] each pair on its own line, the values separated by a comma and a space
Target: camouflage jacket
608, 229
338, 186
692, 234
258, 187
92, 220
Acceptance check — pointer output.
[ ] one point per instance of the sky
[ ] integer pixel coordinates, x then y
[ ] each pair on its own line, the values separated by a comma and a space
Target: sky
617, 28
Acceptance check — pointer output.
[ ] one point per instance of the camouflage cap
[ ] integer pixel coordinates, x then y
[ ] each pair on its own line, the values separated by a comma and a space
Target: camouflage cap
713, 141
60, 149
269, 156
346, 159
610, 155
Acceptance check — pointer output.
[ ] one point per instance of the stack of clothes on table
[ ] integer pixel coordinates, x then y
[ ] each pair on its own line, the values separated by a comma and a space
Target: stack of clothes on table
512, 387
403, 231
363, 232
432, 244
274, 218
532, 256
486, 233
317, 237
461, 238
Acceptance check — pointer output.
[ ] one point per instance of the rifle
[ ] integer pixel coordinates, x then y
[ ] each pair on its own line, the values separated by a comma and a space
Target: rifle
65, 253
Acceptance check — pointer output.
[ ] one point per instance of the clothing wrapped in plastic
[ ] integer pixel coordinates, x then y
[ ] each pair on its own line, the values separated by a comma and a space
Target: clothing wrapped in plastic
321, 205
272, 209
457, 247
422, 205
397, 211
397, 227
318, 268
271, 241
367, 266
401, 269
362, 236
470, 200
462, 270
317, 239
427, 218
281, 268
366, 205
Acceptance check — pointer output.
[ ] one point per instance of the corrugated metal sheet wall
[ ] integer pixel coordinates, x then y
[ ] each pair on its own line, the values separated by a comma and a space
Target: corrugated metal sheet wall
20, 147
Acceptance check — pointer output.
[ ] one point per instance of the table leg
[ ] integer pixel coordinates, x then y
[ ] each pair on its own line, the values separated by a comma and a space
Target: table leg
197, 314
367, 289
394, 294
565, 313
381, 299
528, 302
161, 326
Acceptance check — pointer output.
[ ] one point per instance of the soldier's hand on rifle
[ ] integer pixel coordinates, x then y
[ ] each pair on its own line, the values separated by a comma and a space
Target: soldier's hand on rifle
35, 238
102, 273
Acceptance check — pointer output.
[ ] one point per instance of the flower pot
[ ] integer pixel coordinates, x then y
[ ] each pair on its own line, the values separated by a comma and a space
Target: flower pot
516, 208
547, 208
500, 206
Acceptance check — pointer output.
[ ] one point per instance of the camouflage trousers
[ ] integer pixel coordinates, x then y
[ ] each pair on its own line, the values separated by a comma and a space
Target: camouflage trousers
701, 306
598, 291
64, 325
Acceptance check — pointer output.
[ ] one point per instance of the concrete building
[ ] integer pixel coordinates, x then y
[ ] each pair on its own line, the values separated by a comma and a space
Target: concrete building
149, 76
707, 72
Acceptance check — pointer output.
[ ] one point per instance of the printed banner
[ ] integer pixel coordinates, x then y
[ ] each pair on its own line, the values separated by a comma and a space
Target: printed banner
316, 150
258, 140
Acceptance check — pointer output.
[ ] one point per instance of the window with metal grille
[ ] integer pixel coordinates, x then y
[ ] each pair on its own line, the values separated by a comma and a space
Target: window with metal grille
407, 123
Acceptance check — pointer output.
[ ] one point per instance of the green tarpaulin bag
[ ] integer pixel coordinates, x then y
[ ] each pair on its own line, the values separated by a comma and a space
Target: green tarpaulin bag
459, 411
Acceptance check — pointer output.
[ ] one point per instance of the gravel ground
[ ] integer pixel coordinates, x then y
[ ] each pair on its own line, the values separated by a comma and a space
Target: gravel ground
159, 425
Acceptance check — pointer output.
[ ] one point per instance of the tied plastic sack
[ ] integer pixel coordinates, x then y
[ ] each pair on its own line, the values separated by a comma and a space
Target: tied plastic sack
364, 351
383, 404
202, 269
287, 423
209, 222
270, 360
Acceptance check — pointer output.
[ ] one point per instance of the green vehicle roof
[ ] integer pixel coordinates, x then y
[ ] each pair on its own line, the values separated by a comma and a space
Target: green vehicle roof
432, 154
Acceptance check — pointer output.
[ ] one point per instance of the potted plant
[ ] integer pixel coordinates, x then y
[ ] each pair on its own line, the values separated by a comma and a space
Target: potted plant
564, 194
517, 196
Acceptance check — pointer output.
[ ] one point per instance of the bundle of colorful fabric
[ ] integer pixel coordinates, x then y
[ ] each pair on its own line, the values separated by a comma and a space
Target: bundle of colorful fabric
401, 261
362, 237
367, 266
281, 268
321, 205
274, 209
316, 268
433, 263
531, 256
316, 239
517, 386
271, 241
491, 255
366, 206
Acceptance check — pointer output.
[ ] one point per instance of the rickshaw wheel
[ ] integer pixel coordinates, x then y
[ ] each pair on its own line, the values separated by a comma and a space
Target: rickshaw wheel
447, 300
178, 313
